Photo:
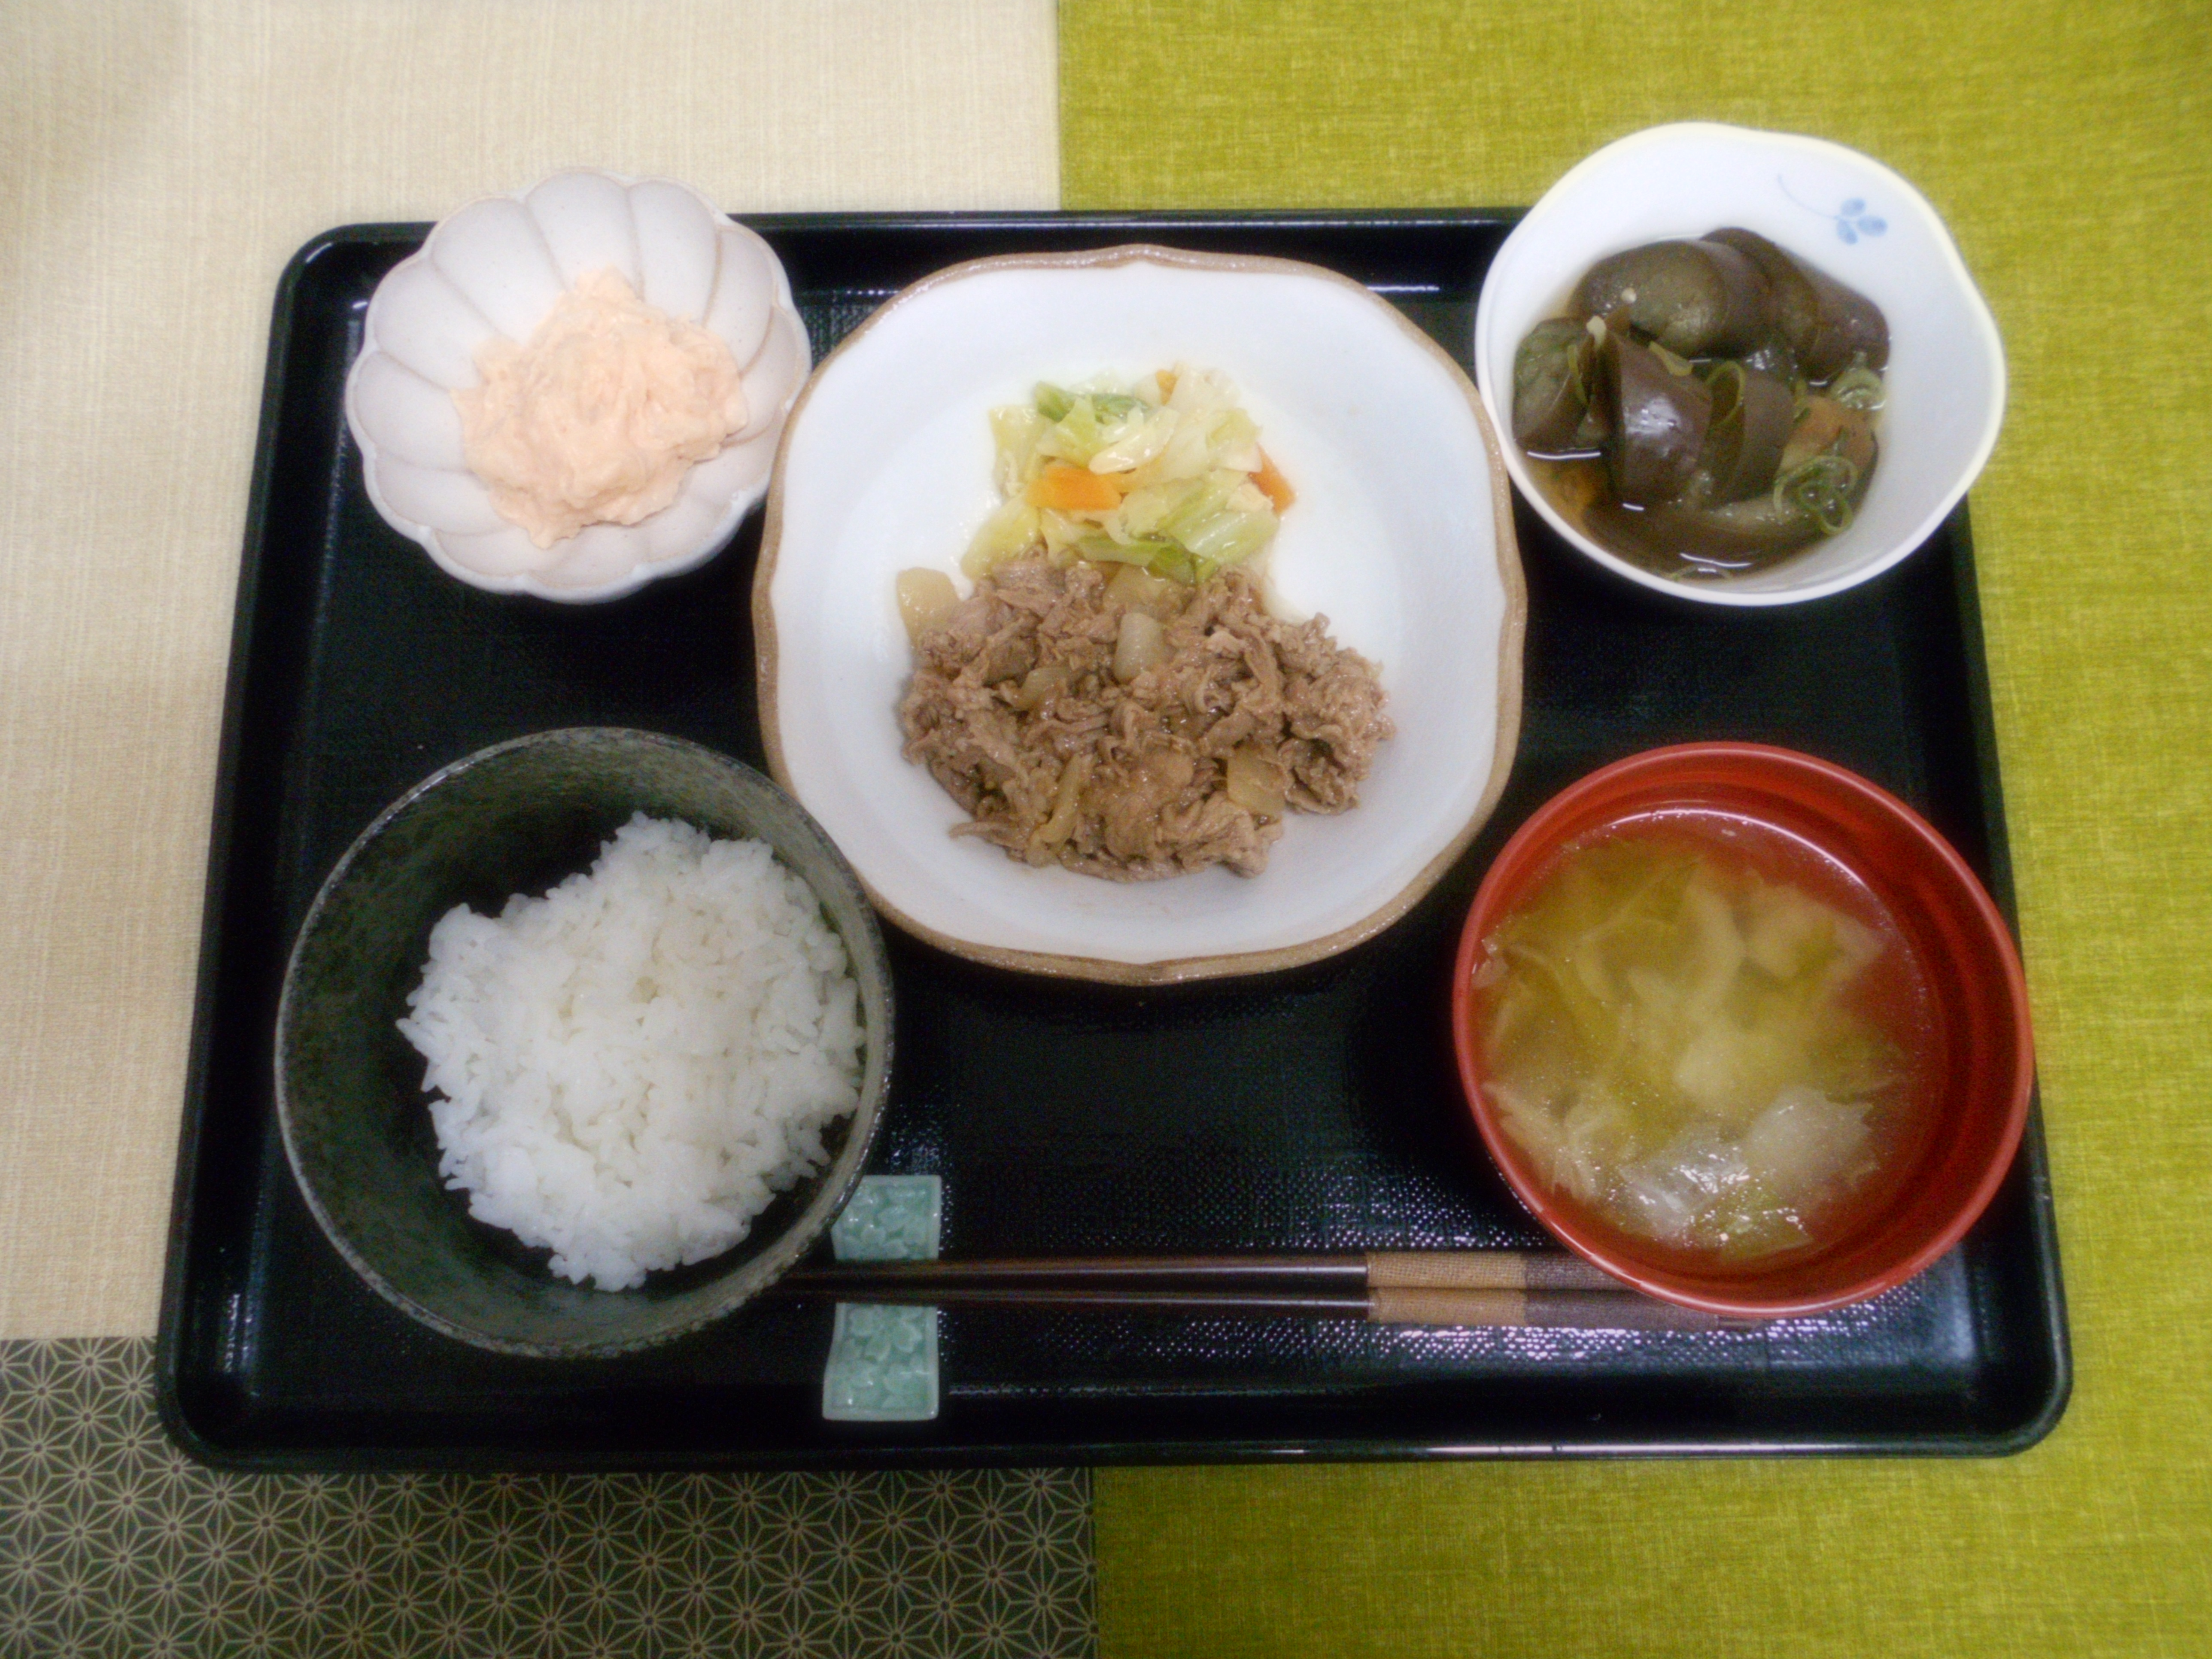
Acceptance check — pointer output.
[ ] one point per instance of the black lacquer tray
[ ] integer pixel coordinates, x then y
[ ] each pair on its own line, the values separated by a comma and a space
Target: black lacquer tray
1313, 1109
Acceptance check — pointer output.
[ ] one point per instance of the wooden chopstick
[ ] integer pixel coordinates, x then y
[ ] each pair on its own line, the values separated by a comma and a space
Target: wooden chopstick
1394, 1287
1346, 1273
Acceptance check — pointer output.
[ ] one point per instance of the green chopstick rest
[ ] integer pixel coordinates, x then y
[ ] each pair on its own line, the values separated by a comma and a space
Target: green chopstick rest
883, 1360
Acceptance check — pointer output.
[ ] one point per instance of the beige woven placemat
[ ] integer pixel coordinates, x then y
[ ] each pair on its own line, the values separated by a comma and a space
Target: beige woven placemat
158, 165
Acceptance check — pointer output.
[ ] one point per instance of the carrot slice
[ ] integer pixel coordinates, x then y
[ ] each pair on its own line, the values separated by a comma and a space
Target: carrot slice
1272, 484
1067, 489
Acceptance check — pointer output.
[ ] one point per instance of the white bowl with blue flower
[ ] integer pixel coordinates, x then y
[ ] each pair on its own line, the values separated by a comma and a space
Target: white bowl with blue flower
1833, 207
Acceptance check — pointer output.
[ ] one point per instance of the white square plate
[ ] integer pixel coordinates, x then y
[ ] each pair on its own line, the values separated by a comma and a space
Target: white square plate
1401, 536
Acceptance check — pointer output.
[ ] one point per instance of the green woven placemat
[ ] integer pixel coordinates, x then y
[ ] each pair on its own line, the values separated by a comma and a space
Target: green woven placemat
2070, 146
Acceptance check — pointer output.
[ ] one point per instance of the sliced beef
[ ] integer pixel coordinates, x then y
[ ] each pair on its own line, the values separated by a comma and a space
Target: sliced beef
1015, 710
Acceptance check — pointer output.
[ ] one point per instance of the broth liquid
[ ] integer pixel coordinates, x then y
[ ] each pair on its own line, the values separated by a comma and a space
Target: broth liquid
1892, 993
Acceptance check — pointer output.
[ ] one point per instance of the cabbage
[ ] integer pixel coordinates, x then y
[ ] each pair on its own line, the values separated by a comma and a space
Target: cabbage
1015, 430
1805, 1142
1673, 1040
1007, 534
1184, 463
1136, 441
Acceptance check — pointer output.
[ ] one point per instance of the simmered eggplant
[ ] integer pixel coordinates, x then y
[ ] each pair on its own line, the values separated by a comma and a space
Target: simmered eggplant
1704, 404
1696, 299
1554, 390
1827, 324
1659, 419
1754, 414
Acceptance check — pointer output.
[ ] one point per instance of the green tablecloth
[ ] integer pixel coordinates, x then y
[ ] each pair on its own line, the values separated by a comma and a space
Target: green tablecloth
2071, 147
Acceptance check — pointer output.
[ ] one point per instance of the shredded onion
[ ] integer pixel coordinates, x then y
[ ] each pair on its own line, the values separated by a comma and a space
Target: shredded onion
1141, 643
925, 598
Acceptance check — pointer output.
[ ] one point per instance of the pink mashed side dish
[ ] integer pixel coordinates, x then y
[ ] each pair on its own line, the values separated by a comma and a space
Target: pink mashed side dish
599, 417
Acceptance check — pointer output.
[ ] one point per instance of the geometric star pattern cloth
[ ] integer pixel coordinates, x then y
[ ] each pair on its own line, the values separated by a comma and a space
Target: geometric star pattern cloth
112, 1541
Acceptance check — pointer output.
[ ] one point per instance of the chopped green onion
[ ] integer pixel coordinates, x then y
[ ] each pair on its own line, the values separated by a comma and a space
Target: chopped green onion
1821, 488
1858, 387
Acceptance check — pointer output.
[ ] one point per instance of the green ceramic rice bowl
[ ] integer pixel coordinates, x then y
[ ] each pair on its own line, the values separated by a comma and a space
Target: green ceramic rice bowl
519, 819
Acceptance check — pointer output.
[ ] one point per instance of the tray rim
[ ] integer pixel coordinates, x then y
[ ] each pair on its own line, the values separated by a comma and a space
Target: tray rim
2040, 1219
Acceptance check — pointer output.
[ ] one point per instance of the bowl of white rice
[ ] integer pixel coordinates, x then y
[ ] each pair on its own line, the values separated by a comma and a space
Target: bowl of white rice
582, 1043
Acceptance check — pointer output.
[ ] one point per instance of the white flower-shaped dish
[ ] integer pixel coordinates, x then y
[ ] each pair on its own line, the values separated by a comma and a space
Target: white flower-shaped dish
1832, 207
1401, 535
495, 268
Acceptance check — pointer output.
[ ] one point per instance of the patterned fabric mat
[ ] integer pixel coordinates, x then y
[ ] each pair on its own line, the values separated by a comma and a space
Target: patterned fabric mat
112, 1542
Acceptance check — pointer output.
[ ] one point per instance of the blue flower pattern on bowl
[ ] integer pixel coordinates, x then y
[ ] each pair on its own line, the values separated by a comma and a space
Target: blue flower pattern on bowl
1852, 219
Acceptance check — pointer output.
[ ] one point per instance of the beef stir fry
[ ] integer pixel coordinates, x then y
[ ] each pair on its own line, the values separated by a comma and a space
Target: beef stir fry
1131, 726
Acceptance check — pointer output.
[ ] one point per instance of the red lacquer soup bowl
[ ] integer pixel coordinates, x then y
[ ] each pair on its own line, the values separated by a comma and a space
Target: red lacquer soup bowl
1959, 1110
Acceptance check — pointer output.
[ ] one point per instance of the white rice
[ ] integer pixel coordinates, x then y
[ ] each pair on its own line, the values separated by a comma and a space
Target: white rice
631, 1067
